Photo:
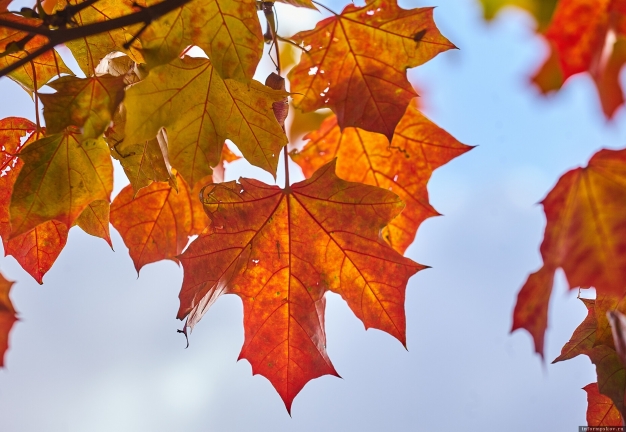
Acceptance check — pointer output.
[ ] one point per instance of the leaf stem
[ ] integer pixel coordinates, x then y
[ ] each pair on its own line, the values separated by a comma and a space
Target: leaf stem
286, 156
268, 10
35, 96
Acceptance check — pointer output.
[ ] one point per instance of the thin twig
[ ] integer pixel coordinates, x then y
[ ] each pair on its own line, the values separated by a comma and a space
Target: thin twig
325, 7
289, 41
63, 35
286, 157
268, 11
40, 30
276, 47
32, 65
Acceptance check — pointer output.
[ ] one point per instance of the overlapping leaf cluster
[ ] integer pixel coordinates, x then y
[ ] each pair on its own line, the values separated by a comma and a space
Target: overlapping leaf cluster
585, 234
165, 117
583, 36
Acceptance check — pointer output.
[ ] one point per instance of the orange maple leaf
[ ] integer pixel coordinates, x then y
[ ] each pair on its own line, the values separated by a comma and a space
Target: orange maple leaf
228, 31
418, 147
600, 409
37, 249
609, 368
280, 251
7, 316
61, 176
587, 36
156, 222
586, 237
94, 220
356, 63
584, 337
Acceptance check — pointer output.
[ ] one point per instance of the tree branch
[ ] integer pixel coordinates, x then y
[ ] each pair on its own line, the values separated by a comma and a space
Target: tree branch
63, 35
40, 30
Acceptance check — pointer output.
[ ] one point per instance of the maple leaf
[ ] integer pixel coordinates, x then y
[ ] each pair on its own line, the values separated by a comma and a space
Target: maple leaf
89, 51
577, 40
87, 103
280, 251
228, 31
607, 79
94, 220
609, 368
37, 249
61, 176
119, 65
200, 111
600, 409
418, 147
611, 374
143, 162
357, 62
15, 45
584, 338
585, 236
595, 44
157, 222
7, 316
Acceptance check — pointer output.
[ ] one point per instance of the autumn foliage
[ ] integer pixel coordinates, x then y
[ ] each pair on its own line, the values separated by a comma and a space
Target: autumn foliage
165, 116
586, 222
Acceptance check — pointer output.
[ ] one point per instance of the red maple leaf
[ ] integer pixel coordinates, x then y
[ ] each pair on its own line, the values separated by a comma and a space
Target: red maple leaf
280, 251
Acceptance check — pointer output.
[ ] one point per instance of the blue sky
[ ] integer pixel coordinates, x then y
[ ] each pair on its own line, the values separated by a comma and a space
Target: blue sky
97, 350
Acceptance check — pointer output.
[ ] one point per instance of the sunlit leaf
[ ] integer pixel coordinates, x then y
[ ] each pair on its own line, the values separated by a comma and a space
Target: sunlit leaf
200, 111
404, 166
37, 249
88, 51
61, 176
87, 103
578, 40
228, 31
586, 237
144, 162
609, 368
280, 251
94, 220
584, 337
600, 409
37, 73
156, 223
357, 61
